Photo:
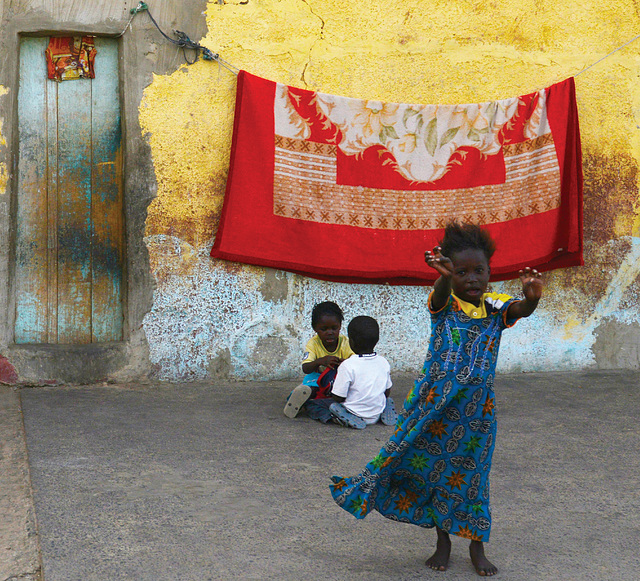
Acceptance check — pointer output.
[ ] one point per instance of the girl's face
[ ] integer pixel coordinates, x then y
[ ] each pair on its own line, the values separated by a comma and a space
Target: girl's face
328, 329
470, 275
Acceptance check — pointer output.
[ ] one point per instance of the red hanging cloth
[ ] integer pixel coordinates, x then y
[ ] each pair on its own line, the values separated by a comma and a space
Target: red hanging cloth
70, 58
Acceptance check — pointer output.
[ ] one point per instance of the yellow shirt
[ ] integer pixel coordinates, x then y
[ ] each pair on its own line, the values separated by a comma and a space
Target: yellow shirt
315, 349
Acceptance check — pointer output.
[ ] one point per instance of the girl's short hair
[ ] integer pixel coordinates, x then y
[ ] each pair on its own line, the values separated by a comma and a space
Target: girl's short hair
459, 237
325, 308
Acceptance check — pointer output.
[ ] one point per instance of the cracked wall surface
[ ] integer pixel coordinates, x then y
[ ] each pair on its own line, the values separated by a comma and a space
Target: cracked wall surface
143, 52
211, 317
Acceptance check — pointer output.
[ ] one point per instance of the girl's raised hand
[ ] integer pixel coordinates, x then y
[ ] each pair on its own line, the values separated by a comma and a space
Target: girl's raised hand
531, 284
437, 261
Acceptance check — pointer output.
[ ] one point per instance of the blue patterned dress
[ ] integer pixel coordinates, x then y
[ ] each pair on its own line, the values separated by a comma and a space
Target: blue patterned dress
434, 471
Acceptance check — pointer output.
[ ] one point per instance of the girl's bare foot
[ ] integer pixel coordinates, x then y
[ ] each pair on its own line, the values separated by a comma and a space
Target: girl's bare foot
439, 561
484, 567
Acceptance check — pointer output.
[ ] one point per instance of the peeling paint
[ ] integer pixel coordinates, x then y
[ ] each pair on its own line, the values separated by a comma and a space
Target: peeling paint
623, 351
4, 174
8, 372
626, 275
214, 317
211, 318
569, 344
274, 287
610, 193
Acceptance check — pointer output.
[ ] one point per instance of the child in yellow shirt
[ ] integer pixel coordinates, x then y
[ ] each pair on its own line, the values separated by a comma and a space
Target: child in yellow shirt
326, 349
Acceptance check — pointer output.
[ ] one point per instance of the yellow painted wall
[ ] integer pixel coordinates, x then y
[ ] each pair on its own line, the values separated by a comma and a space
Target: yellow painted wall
4, 175
418, 51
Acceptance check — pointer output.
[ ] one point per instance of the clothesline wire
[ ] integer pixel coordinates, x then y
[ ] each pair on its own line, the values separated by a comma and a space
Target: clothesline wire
608, 55
133, 15
185, 42
182, 41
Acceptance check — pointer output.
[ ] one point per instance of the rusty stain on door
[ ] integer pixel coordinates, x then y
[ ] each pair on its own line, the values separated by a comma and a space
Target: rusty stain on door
69, 223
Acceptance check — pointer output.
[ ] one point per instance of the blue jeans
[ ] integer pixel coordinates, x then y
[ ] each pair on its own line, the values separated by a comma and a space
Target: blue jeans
318, 409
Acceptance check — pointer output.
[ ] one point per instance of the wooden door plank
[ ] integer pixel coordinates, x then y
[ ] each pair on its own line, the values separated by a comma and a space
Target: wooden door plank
106, 198
31, 222
52, 210
74, 211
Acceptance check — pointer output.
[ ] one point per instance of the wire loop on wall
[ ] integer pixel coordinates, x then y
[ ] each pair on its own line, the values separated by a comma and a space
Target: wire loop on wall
183, 41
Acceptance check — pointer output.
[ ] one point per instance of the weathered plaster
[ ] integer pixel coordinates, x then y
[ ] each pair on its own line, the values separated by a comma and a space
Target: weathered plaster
621, 352
564, 339
143, 53
4, 174
207, 317
214, 317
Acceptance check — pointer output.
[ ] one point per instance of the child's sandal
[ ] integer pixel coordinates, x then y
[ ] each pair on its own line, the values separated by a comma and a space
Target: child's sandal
389, 416
344, 418
297, 399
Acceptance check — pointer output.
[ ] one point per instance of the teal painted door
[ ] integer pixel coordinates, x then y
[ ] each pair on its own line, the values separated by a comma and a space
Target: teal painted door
69, 224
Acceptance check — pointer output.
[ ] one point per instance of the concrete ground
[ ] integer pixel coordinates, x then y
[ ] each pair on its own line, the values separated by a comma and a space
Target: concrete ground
19, 550
201, 481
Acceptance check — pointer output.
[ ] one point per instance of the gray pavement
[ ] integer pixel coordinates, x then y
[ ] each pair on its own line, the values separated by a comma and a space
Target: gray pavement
201, 481
19, 551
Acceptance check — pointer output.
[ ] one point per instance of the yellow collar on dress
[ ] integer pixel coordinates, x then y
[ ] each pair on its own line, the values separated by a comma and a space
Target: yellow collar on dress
496, 300
470, 309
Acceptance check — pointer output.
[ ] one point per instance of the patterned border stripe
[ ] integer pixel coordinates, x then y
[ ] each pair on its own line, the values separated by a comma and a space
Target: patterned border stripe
311, 167
305, 189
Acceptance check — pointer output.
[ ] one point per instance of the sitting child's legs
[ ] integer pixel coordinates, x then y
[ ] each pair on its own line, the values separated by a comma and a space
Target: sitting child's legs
318, 409
344, 417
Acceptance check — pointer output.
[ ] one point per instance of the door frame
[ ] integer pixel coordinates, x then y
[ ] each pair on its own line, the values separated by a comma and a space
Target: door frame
98, 361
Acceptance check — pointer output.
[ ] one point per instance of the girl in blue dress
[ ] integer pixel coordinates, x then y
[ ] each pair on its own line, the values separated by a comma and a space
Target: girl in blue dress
434, 471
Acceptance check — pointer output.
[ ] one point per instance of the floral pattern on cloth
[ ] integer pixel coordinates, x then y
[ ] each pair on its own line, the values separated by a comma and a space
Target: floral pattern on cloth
434, 470
331, 170
70, 58
422, 138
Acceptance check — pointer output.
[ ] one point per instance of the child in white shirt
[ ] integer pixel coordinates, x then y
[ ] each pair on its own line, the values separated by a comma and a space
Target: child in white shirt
363, 382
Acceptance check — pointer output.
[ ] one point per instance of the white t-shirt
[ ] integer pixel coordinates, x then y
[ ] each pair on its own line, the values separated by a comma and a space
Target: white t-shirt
362, 380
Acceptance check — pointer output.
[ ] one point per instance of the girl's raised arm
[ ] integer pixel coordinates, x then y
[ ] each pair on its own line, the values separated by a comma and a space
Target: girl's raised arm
442, 287
532, 290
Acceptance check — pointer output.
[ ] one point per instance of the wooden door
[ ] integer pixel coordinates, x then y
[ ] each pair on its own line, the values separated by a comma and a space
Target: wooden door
69, 223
